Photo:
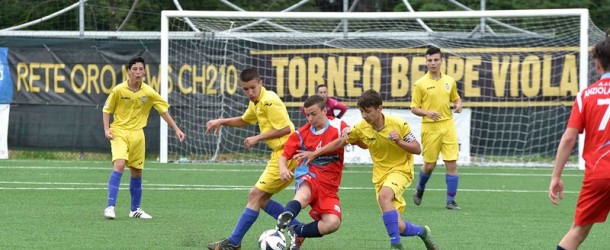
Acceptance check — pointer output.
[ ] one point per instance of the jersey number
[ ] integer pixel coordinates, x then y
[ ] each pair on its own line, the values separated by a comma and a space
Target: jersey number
602, 125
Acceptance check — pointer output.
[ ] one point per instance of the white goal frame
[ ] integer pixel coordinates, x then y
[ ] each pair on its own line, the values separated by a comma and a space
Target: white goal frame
262, 16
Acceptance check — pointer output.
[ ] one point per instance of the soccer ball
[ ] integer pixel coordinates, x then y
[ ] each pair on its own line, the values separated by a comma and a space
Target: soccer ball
272, 240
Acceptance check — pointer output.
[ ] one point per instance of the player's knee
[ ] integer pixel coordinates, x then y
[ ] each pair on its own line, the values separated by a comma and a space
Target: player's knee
331, 225
385, 195
119, 165
258, 196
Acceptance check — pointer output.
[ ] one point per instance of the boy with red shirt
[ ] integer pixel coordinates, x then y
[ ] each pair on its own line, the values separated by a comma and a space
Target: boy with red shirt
318, 181
590, 114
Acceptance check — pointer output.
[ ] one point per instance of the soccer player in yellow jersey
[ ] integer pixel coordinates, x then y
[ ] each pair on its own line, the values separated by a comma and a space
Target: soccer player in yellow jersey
391, 145
431, 98
130, 103
268, 110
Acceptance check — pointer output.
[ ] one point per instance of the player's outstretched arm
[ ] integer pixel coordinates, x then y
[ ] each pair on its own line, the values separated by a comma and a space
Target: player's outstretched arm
568, 140
170, 121
274, 133
309, 156
214, 125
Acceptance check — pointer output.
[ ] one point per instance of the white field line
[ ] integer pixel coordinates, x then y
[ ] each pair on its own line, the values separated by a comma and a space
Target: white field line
30, 185
348, 171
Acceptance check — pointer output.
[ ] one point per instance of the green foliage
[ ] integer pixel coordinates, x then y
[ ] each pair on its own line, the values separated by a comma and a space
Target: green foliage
109, 15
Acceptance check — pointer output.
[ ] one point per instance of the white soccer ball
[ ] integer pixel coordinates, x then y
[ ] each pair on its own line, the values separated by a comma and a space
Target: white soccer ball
272, 240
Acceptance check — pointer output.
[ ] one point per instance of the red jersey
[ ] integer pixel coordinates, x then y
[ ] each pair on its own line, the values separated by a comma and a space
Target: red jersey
590, 114
326, 169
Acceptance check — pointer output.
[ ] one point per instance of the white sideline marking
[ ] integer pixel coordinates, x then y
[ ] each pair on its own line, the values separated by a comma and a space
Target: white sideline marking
262, 168
197, 187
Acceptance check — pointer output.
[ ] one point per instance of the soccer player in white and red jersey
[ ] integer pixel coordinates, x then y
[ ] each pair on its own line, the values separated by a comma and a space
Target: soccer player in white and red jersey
331, 103
317, 181
590, 114
391, 145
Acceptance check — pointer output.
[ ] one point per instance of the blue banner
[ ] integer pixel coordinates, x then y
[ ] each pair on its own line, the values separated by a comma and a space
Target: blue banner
6, 83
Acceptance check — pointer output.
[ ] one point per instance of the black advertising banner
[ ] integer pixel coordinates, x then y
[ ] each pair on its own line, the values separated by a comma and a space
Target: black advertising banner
506, 77
67, 77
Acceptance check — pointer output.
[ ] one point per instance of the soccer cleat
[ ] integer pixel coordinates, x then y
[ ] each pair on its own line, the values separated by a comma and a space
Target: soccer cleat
109, 212
417, 196
428, 241
295, 241
452, 206
224, 244
396, 247
283, 220
139, 213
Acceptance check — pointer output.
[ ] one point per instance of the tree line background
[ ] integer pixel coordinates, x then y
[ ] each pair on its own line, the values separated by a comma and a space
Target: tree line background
111, 15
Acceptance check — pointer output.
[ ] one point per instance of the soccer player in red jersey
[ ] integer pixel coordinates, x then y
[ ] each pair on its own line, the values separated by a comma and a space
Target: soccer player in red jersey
318, 181
391, 145
590, 114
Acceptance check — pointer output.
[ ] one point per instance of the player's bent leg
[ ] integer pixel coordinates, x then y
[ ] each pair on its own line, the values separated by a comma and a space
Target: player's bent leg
330, 223
257, 198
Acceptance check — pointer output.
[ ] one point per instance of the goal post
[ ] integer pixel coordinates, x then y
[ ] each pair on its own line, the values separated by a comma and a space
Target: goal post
518, 73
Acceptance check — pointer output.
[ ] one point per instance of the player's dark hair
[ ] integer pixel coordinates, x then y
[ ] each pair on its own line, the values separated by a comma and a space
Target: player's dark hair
369, 98
433, 50
321, 85
134, 60
313, 100
249, 75
601, 52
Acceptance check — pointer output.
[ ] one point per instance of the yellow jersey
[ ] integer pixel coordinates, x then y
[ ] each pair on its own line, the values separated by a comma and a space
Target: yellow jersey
387, 156
270, 113
131, 108
435, 95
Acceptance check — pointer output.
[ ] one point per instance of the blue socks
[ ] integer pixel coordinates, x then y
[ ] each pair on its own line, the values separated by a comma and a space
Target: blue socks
390, 219
248, 217
113, 187
412, 230
135, 188
274, 209
452, 186
423, 179
451, 181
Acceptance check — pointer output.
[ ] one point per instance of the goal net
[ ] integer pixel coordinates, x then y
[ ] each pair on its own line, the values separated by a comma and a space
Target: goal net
517, 72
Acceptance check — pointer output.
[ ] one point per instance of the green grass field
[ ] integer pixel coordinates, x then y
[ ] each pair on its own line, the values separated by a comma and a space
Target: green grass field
59, 205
